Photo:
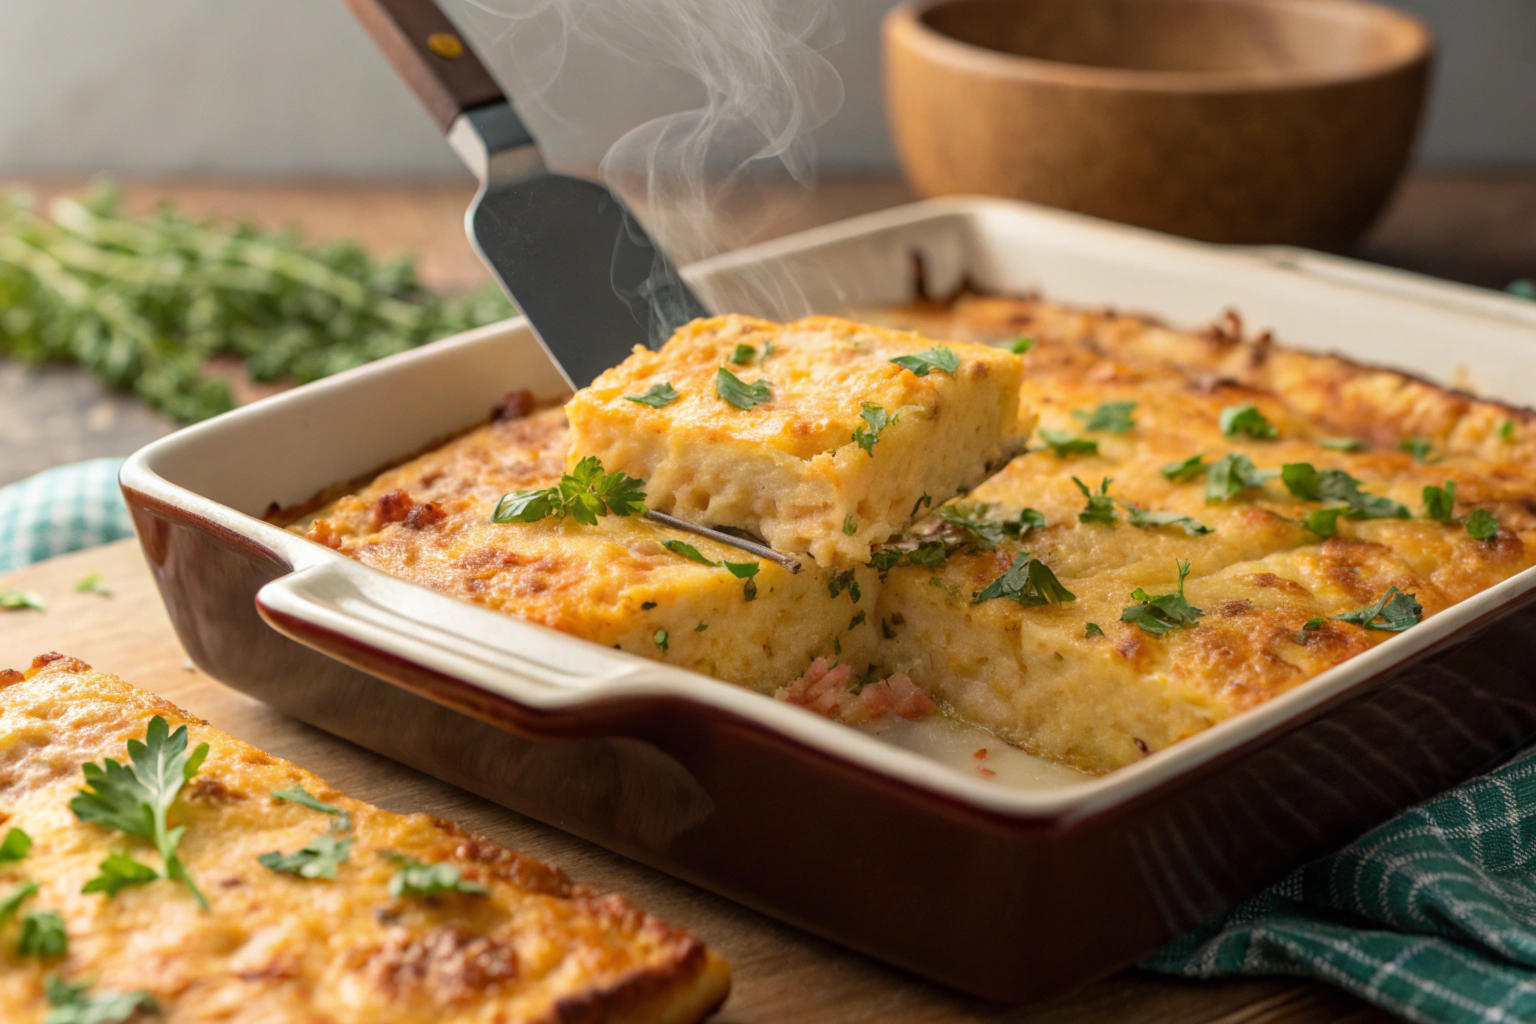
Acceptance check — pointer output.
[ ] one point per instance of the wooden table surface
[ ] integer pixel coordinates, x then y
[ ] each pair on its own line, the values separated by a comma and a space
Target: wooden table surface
1476, 228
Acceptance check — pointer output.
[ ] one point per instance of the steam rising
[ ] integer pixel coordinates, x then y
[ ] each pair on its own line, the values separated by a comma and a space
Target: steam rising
701, 110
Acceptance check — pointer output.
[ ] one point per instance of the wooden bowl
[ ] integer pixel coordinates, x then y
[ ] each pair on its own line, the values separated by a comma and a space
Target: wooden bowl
1249, 121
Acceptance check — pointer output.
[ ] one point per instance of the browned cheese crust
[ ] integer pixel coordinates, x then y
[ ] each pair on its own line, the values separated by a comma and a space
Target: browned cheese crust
278, 949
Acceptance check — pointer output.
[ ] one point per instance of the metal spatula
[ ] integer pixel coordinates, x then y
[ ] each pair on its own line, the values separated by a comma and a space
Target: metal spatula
577, 264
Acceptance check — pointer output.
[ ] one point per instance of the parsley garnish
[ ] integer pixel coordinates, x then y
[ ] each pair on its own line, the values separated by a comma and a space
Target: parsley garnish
69, 1004
1148, 517
16, 845
13, 902
582, 494
656, 396
1342, 444
1246, 419
1482, 525
926, 501
1418, 447
14, 600
136, 799
742, 570
1063, 444
738, 392
850, 525
857, 620
1310, 626
1440, 502
1029, 582
301, 796
977, 530
941, 357
1308, 483
1091, 630
877, 419
1100, 507
743, 354
688, 551
1111, 417
42, 935
1507, 431
659, 638
1324, 521
1020, 345
92, 583
1231, 474
1163, 613
701, 627
119, 871
845, 580
417, 879
1185, 469
749, 590
316, 860
1396, 610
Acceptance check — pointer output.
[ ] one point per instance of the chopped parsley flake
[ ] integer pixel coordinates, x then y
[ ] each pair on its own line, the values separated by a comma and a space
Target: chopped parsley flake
850, 525
926, 501
118, 872
1440, 502
1111, 417
69, 1004
1091, 630
646, 606
1246, 420
1063, 444
701, 627
688, 551
14, 600
1396, 611
582, 494
1507, 431
743, 354
1308, 483
316, 860
857, 620
1232, 474
417, 879
660, 639
1324, 521
92, 583
1310, 626
845, 580
16, 845
1342, 444
656, 396
867, 433
941, 357
742, 570
738, 392
749, 590
42, 935
1418, 447
1100, 507
1482, 525
1186, 469
1028, 582
1020, 345
342, 821
1148, 517
1163, 613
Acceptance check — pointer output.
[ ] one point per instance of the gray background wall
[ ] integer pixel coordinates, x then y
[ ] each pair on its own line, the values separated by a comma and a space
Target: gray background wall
275, 88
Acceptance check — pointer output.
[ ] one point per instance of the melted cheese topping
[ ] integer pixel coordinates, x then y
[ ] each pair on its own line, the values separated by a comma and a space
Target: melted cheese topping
278, 949
789, 469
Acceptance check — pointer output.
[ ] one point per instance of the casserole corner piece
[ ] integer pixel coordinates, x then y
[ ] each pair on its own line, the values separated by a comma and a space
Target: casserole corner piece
512, 939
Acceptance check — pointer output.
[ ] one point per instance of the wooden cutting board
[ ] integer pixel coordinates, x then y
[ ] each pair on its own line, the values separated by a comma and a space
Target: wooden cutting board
781, 974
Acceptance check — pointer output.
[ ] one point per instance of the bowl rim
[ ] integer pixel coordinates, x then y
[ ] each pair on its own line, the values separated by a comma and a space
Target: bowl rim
906, 23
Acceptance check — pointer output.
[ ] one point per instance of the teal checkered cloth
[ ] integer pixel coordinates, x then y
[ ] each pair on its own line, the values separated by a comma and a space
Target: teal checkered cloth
61, 510
1432, 915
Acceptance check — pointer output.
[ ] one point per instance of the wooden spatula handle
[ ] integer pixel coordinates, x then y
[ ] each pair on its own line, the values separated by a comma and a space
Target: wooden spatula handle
428, 52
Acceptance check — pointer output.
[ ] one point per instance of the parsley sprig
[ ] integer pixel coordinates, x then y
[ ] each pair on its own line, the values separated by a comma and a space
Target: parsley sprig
941, 357
1246, 420
738, 392
136, 799
1440, 505
1064, 445
1110, 417
1232, 474
1151, 517
1100, 507
320, 857
1029, 582
582, 494
1308, 483
657, 396
867, 433
1395, 612
417, 879
1165, 612
69, 1003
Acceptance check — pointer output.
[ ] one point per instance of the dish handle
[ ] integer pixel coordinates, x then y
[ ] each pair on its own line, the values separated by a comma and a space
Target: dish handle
494, 667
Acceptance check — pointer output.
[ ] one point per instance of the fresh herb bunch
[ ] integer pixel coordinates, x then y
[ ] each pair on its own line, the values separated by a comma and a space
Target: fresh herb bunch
144, 302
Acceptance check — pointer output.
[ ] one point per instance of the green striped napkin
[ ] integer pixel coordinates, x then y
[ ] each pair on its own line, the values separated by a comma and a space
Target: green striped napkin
60, 510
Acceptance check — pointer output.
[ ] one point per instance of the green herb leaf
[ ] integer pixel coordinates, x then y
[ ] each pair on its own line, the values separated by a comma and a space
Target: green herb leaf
1396, 611
119, 871
941, 357
1028, 519
688, 551
17, 897
1324, 521
318, 859
42, 935
416, 879
1148, 517
1020, 345
857, 620
1186, 469
1246, 419
1063, 444
582, 494
1091, 630
749, 590
1111, 417
926, 501
1482, 525
1100, 507
1418, 447
742, 570
15, 600
1304, 481
16, 845
739, 393
92, 583
1029, 582
1507, 431
657, 396
299, 795
867, 433
1342, 444
743, 354
701, 627
846, 580
659, 638
1230, 475
646, 606
975, 529
1163, 613
850, 525
1310, 626
69, 1003
1440, 502
136, 800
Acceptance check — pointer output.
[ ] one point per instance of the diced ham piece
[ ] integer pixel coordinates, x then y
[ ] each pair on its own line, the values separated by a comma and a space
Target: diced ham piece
825, 690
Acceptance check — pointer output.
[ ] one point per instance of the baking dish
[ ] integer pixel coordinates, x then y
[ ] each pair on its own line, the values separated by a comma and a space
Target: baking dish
1013, 888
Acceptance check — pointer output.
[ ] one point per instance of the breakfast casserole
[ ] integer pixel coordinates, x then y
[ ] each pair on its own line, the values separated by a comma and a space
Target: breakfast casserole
1202, 521
152, 867
842, 431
